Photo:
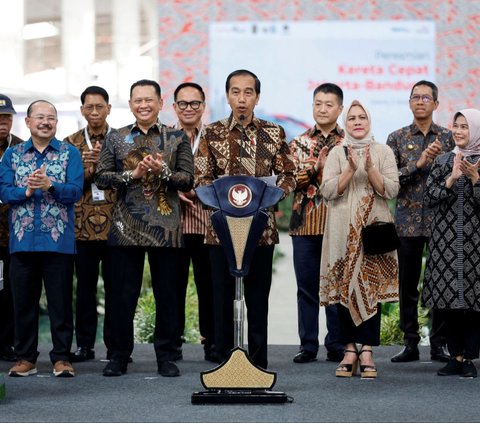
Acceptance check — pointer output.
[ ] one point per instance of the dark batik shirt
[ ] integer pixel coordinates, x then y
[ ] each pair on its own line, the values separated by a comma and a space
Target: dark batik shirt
262, 151
308, 208
92, 216
147, 210
412, 218
10, 141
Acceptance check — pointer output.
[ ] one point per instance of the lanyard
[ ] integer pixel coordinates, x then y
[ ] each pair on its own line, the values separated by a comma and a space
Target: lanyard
87, 137
197, 140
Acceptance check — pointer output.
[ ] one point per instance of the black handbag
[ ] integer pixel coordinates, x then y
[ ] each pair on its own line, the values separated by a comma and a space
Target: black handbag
380, 238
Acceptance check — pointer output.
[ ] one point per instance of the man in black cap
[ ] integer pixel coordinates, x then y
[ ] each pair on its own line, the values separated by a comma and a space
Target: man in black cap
6, 302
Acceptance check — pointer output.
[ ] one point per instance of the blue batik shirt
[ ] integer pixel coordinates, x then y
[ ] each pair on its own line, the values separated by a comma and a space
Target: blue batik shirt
45, 221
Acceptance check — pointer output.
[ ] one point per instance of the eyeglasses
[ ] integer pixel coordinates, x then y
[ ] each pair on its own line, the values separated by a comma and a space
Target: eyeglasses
49, 119
91, 107
195, 105
425, 98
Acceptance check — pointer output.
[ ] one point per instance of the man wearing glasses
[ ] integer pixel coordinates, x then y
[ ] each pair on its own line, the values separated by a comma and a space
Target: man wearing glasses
41, 179
93, 216
189, 106
415, 147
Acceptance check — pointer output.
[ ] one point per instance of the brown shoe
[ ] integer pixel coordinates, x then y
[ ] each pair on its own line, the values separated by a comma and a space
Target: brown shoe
23, 368
63, 369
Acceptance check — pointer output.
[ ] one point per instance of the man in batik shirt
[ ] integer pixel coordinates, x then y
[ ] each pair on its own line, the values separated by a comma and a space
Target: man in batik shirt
307, 222
242, 144
415, 147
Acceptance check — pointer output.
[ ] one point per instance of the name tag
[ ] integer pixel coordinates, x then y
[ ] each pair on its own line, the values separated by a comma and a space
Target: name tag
97, 194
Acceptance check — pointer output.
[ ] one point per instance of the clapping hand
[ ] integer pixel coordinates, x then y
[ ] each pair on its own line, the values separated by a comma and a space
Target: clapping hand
352, 158
470, 170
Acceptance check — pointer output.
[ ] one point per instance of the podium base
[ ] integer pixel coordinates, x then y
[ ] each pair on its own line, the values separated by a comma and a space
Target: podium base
239, 396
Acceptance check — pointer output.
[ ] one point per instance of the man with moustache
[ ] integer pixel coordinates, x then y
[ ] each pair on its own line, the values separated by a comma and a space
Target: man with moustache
307, 222
189, 106
243, 144
93, 216
147, 163
41, 179
415, 147
7, 139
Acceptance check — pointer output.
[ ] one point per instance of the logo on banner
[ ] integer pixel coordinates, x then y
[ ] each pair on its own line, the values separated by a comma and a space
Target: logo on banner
240, 196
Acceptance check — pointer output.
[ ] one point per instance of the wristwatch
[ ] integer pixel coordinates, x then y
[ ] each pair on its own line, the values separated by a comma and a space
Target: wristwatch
51, 189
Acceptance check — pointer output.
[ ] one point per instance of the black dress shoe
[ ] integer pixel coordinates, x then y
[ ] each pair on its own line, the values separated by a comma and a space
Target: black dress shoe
168, 369
8, 354
115, 368
439, 354
453, 367
336, 356
305, 356
82, 354
409, 353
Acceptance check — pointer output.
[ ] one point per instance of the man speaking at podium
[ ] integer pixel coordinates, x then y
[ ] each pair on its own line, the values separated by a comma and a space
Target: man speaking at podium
242, 144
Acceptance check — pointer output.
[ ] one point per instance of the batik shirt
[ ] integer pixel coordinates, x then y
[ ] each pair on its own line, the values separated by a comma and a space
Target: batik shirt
11, 141
308, 208
412, 218
92, 216
45, 221
261, 151
147, 210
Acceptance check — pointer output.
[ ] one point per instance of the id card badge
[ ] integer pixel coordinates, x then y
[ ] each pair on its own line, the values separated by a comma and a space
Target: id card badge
97, 194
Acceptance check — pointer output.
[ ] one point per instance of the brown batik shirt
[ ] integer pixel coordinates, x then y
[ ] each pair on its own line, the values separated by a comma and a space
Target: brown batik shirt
308, 208
262, 151
93, 217
10, 141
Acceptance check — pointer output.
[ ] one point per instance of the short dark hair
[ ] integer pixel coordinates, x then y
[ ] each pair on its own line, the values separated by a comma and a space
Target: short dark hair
329, 88
243, 72
186, 85
93, 89
428, 84
29, 110
144, 83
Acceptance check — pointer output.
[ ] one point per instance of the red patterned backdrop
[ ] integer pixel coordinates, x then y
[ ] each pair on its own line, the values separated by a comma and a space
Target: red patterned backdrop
183, 33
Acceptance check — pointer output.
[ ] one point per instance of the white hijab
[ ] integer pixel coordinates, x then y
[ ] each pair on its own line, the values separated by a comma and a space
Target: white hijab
472, 117
349, 140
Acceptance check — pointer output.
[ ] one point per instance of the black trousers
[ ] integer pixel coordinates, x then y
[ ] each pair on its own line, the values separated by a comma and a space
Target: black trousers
127, 276
196, 252
6, 304
367, 333
307, 251
27, 270
463, 332
256, 290
410, 267
90, 257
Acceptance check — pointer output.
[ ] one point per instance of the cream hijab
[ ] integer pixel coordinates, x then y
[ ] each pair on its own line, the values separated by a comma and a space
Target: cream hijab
473, 119
349, 140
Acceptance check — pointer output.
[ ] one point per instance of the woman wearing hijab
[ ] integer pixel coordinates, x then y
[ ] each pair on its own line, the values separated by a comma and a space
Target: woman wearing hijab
358, 179
452, 273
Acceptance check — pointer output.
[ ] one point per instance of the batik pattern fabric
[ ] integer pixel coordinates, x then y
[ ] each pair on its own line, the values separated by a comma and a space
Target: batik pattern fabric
12, 140
44, 221
308, 208
452, 273
408, 143
92, 217
147, 211
347, 275
260, 150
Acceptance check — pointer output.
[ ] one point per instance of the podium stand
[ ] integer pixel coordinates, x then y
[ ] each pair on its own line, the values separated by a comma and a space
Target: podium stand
239, 218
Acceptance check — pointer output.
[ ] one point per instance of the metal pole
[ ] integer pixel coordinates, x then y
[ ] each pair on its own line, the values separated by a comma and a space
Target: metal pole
238, 313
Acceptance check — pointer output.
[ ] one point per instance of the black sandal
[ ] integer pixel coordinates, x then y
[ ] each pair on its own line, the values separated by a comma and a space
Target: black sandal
347, 370
367, 371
